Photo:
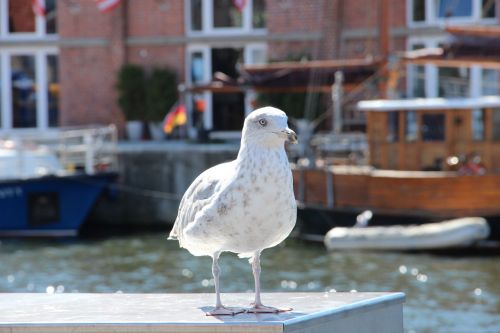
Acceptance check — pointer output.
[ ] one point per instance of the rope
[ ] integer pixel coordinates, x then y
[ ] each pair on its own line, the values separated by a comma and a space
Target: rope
148, 192
136, 190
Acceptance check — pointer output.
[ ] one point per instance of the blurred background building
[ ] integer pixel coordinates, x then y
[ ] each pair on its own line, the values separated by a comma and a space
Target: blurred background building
58, 68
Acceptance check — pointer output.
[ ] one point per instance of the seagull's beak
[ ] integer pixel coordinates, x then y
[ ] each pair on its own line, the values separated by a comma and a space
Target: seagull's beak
290, 135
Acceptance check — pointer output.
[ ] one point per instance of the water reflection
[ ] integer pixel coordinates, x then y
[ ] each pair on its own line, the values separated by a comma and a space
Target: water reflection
443, 293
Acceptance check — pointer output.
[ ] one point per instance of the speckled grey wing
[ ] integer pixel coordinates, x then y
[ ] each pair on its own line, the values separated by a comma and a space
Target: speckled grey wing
201, 193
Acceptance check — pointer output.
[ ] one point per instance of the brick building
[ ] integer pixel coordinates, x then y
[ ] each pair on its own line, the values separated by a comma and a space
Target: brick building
60, 70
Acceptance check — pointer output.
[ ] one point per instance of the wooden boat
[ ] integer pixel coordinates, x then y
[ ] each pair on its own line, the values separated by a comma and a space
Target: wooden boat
431, 194
446, 234
414, 164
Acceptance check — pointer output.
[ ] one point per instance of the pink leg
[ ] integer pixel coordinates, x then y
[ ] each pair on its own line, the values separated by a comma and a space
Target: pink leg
220, 310
258, 307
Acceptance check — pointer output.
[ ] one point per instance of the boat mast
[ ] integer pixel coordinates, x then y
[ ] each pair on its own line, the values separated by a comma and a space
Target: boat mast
337, 92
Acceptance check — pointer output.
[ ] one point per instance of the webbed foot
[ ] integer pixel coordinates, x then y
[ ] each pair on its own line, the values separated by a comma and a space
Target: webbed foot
224, 311
259, 308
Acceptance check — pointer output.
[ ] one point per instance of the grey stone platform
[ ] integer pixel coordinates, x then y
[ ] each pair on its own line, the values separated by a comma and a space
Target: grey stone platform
312, 312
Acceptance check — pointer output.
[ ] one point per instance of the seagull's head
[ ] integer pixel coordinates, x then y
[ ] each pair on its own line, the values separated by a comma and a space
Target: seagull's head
268, 126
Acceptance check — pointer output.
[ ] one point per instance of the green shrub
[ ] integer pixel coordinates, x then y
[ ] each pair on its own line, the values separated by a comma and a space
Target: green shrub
161, 93
132, 91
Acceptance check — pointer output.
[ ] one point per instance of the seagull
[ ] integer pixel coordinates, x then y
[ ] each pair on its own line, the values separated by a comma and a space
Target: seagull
243, 206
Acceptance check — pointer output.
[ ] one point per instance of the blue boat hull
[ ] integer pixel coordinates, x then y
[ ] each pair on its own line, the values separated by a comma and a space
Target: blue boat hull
49, 206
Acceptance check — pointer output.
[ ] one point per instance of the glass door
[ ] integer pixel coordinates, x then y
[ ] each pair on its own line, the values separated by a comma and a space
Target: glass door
199, 103
29, 89
228, 108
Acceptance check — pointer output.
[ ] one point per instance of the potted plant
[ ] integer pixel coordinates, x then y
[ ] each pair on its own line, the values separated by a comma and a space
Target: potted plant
132, 98
161, 95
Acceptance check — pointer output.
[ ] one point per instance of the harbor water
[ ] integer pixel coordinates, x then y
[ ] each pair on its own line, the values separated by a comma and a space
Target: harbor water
444, 293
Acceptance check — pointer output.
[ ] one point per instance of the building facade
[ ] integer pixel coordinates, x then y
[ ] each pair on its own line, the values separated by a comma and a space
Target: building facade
60, 69
425, 22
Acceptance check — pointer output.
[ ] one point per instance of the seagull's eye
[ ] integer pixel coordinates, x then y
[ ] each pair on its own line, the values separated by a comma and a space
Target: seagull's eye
262, 122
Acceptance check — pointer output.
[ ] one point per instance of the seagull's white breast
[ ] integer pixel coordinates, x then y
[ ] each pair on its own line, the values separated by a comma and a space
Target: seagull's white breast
268, 213
255, 208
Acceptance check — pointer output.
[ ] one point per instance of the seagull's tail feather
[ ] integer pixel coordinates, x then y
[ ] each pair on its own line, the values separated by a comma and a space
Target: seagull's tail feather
173, 234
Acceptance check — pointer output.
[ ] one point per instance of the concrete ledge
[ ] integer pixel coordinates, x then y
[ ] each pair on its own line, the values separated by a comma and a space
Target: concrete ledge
312, 312
175, 146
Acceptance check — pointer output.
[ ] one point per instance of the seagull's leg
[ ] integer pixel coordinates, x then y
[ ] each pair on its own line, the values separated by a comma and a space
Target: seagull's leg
257, 306
220, 309
216, 274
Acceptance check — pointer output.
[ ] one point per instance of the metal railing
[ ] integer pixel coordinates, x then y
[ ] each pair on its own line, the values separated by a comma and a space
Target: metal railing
65, 150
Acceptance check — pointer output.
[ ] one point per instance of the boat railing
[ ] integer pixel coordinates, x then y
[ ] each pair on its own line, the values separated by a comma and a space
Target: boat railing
63, 150
89, 149
331, 143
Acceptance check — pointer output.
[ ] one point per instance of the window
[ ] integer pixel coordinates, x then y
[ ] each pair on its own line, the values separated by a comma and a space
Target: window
488, 9
453, 82
197, 75
417, 76
392, 126
196, 15
23, 92
490, 84
259, 14
212, 16
495, 124
418, 81
29, 82
18, 20
227, 15
197, 103
433, 127
478, 125
255, 56
223, 112
228, 109
21, 18
433, 81
53, 89
411, 126
454, 8
29, 89
435, 12
50, 17
418, 10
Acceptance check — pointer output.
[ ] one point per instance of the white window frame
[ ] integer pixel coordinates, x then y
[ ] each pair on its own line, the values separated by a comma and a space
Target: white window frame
206, 49
495, 83
207, 9
409, 14
431, 18
40, 26
410, 72
42, 104
207, 67
431, 71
